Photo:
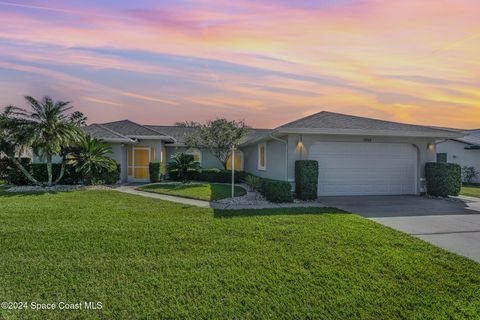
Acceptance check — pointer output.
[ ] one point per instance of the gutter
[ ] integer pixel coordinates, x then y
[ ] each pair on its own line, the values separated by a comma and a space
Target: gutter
286, 153
369, 132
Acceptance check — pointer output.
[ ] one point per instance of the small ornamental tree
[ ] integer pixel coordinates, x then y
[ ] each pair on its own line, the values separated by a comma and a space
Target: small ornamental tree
218, 136
181, 164
469, 174
90, 157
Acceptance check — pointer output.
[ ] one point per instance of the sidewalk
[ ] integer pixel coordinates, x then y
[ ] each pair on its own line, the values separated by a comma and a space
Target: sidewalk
192, 202
130, 189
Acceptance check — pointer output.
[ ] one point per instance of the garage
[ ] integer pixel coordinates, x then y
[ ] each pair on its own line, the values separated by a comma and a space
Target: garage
348, 168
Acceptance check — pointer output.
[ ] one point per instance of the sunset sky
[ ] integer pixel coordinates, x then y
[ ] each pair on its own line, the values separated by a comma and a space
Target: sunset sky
267, 61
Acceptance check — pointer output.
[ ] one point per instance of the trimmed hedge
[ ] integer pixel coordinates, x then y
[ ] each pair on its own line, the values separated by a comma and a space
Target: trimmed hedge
210, 175
14, 175
71, 176
4, 168
443, 179
155, 171
272, 190
306, 179
276, 191
39, 172
108, 176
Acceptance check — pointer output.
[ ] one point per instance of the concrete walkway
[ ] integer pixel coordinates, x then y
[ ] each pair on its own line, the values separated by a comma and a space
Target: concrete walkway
192, 202
131, 189
451, 225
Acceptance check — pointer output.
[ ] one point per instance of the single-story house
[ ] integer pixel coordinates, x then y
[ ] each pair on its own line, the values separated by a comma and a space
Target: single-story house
356, 155
464, 151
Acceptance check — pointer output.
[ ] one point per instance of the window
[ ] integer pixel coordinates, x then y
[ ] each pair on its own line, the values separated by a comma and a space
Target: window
262, 156
238, 160
441, 157
197, 155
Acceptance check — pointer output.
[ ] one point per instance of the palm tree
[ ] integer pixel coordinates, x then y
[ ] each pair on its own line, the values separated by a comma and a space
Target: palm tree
52, 128
182, 163
89, 156
14, 138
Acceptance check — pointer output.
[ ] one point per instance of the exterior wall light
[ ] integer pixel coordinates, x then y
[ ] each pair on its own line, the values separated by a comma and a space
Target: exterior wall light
300, 145
430, 147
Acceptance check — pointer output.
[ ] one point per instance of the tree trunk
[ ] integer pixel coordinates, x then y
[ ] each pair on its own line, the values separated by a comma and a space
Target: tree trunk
24, 171
49, 169
62, 171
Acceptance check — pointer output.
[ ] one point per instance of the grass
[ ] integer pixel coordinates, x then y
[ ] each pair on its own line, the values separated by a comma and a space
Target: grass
200, 191
470, 191
151, 259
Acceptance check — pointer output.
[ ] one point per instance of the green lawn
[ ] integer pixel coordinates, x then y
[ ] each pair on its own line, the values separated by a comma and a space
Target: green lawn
200, 191
470, 191
151, 259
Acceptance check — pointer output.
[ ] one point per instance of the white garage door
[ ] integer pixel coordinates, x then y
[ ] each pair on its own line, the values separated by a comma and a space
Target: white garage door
365, 168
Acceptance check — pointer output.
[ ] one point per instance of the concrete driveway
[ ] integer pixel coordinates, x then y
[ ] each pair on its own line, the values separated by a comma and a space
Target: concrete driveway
454, 226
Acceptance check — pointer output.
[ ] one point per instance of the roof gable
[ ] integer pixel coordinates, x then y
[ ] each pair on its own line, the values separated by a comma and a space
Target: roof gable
132, 129
100, 132
337, 123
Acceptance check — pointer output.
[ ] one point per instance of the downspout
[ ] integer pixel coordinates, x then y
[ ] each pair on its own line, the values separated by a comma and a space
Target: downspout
286, 153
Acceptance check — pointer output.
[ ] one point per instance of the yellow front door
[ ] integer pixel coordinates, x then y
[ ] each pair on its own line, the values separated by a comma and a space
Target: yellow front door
141, 159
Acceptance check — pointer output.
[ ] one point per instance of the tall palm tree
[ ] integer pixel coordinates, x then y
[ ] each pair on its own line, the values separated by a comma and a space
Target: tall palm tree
182, 163
89, 156
53, 127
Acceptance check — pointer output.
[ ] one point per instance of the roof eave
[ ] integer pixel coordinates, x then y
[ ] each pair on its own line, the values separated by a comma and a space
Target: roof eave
165, 138
389, 133
119, 140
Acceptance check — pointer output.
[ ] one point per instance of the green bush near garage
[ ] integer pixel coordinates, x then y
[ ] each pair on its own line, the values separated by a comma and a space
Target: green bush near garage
306, 179
443, 179
276, 190
155, 171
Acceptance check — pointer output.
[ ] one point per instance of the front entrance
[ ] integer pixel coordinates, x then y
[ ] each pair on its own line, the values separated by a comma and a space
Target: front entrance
140, 170
139, 158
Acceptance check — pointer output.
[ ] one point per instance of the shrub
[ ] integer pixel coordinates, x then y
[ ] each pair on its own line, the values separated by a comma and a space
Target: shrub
39, 172
15, 176
209, 175
253, 182
443, 179
306, 179
277, 191
107, 176
221, 176
155, 171
71, 176
4, 168
469, 174
182, 165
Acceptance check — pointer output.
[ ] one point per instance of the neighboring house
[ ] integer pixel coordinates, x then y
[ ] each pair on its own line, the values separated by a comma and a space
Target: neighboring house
464, 150
356, 155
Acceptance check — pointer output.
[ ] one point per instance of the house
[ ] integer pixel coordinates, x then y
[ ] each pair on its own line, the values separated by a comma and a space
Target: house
356, 155
464, 151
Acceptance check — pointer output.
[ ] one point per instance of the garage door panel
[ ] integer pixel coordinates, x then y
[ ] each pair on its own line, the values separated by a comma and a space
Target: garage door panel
365, 168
